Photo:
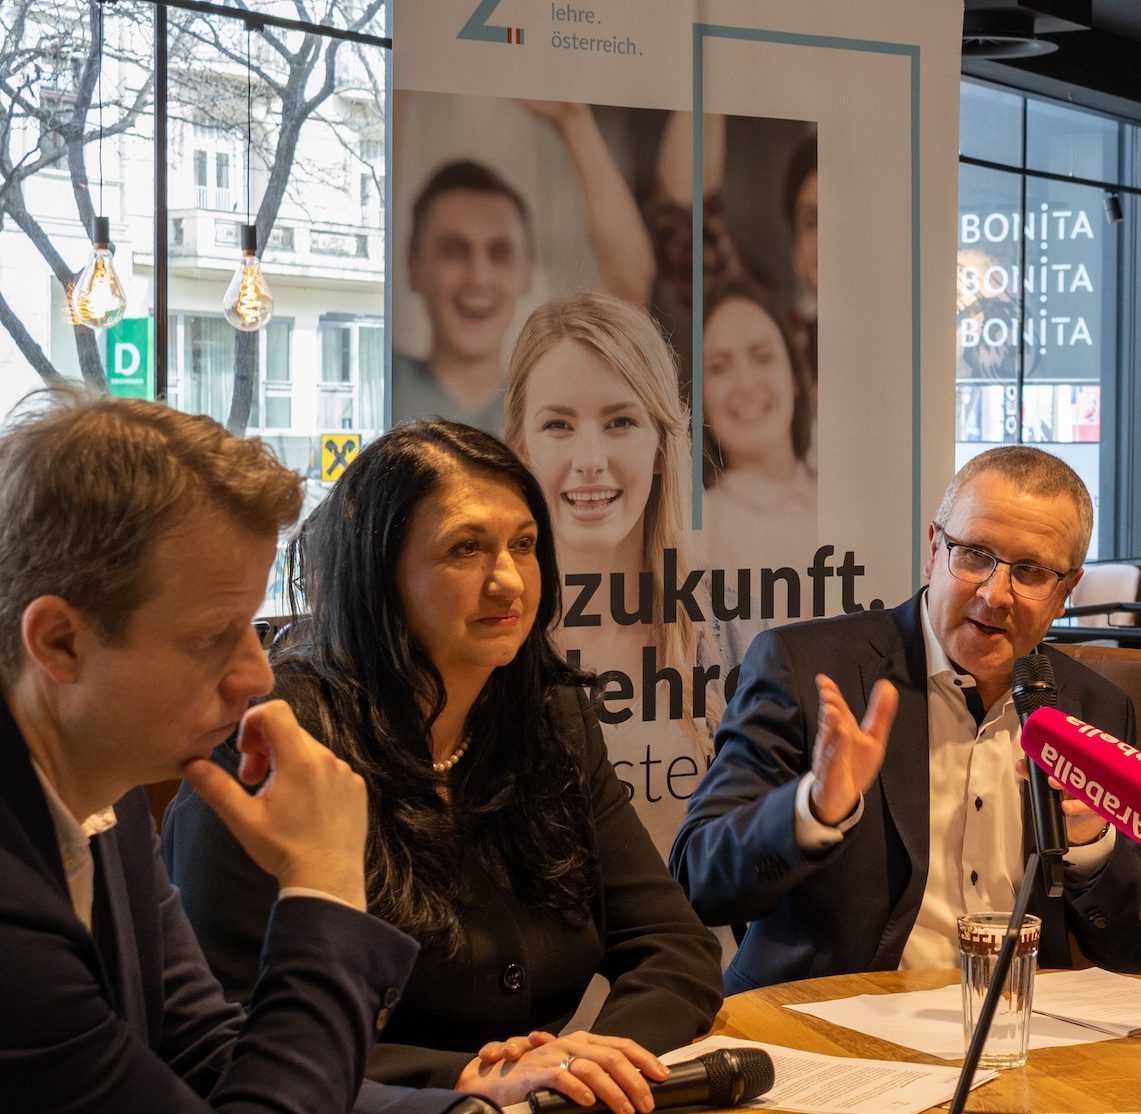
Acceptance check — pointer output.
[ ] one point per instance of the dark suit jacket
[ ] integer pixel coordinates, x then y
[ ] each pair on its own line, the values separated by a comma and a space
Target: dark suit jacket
852, 907
129, 1018
519, 968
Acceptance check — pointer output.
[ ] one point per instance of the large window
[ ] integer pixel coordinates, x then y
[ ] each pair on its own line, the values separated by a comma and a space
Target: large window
255, 135
275, 397
243, 147
352, 372
202, 361
1047, 293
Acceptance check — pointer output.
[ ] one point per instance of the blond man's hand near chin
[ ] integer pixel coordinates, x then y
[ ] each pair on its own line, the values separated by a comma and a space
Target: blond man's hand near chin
306, 825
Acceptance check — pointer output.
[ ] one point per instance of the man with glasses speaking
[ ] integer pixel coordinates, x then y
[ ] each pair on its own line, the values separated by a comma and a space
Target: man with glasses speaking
865, 790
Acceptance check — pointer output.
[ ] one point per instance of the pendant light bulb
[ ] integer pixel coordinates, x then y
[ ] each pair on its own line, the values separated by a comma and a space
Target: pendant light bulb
248, 304
97, 299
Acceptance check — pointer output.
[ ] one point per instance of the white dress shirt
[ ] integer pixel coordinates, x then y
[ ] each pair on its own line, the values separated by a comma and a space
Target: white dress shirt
976, 855
74, 841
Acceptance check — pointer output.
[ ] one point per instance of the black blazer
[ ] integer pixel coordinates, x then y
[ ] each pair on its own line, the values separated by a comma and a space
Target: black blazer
852, 908
130, 1020
519, 968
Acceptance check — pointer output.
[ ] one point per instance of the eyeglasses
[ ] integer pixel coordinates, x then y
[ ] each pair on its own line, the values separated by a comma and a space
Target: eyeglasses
976, 566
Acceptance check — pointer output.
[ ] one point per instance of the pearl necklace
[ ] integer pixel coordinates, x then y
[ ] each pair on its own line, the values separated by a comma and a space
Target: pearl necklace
450, 761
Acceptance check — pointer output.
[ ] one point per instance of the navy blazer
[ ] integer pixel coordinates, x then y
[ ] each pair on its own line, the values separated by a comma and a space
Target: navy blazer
127, 1018
852, 907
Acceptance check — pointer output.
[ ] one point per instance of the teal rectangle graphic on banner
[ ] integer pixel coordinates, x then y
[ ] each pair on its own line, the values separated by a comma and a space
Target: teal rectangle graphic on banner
129, 371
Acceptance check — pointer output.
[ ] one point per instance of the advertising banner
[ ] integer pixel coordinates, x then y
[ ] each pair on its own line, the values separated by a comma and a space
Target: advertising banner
730, 438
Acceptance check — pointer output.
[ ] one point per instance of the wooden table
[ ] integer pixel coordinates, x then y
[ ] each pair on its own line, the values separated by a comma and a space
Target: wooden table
1099, 1078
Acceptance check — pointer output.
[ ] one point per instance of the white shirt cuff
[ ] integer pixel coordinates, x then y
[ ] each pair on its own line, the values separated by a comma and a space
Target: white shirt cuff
1086, 860
320, 895
811, 835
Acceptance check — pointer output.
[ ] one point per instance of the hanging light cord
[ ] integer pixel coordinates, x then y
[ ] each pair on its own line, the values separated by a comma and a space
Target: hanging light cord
249, 120
99, 95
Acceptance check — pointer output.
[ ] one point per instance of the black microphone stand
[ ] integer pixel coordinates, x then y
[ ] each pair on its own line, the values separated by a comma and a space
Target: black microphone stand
994, 988
1033, 687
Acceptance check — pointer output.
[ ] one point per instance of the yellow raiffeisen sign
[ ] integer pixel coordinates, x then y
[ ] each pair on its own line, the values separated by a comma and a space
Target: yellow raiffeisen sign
338, 451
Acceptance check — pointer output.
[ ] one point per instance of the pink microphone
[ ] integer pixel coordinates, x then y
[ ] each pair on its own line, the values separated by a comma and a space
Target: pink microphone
1090, 764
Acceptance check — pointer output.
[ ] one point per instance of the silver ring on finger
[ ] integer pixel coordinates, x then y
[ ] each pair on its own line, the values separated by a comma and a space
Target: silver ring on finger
565, 1064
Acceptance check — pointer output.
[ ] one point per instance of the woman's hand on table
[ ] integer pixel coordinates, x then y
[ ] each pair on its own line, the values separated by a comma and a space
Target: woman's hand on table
612, 1070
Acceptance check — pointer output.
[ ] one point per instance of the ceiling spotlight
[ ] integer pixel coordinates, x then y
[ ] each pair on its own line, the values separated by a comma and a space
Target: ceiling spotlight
1002, 33
1113, 211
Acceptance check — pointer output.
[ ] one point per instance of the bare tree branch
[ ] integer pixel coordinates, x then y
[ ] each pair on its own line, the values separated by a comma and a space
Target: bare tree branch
50, 35
27, 343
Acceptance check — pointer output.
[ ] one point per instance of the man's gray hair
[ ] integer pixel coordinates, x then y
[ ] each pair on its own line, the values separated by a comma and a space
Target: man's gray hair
1034, 472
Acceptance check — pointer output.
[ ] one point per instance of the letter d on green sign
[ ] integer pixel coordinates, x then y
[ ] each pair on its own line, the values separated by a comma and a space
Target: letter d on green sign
129, 358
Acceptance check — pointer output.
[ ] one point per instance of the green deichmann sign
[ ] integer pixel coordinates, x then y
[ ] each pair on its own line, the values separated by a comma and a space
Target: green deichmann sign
129, 345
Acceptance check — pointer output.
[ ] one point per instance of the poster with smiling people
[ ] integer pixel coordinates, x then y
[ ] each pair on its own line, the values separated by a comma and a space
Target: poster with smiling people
729, 438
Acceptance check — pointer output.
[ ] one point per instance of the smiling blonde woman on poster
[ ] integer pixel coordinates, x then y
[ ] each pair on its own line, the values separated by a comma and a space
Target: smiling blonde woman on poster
760, 500
592, 406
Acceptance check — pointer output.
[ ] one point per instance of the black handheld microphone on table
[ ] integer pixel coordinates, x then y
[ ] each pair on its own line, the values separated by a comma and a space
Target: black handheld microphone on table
1033, 687
718, 1079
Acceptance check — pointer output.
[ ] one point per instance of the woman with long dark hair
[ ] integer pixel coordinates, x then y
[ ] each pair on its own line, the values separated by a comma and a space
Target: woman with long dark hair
499, 835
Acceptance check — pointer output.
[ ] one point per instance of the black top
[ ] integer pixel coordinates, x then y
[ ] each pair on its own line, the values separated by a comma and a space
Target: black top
519, 968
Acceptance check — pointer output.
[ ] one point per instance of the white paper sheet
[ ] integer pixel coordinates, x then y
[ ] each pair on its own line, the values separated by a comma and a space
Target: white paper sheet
1092, 997
815, 1084
932, 1020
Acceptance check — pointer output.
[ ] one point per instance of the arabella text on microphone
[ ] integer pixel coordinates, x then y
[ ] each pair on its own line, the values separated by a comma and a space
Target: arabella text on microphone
1093, 765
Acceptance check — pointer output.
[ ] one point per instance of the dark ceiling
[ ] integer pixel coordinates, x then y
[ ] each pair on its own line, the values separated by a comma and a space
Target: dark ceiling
1098, 60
